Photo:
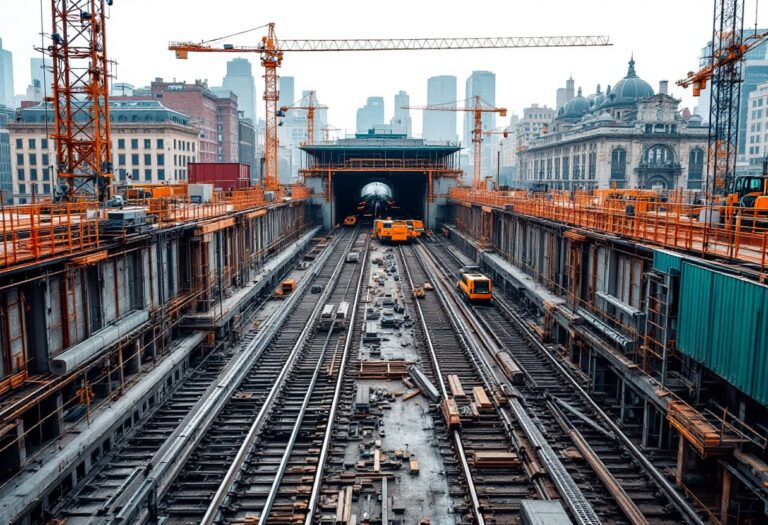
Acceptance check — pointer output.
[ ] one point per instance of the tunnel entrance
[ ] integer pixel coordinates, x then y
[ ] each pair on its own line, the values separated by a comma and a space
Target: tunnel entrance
407, 198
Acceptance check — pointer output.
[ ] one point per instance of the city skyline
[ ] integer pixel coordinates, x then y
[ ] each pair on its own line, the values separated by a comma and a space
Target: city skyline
383, 74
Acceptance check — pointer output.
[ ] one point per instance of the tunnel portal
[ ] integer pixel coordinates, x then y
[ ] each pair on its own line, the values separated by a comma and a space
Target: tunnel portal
417, 174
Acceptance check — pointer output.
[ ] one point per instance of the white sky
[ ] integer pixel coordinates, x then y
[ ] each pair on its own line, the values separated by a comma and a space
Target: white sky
666, 37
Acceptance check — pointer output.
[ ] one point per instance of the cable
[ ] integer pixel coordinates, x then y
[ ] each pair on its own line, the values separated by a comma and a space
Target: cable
45, 102
233, 34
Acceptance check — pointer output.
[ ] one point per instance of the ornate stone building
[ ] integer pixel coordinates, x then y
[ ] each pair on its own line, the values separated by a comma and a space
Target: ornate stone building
627, 137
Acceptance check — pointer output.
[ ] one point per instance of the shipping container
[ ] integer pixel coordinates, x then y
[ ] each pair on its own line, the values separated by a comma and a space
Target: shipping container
225, 176
723, 324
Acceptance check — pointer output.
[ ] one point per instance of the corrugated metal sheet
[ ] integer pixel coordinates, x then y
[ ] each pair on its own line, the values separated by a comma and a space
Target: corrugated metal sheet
664, 260
723, 324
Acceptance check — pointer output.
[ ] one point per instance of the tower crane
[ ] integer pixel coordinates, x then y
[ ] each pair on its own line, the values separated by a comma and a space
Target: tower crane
477, 109
723, 72
308, 103
327, 132
271, 51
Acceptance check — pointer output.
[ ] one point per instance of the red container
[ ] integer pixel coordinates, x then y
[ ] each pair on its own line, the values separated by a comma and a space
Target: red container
225, 176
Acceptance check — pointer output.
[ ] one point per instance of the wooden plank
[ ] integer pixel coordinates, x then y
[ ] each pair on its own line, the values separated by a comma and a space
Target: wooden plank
214, 226
377, 461
455, 385
481, 398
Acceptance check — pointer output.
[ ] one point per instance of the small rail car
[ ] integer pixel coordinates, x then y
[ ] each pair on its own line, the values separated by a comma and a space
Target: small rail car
327, 317
475, 287
415, 228
342, 315
392, 231
350, 220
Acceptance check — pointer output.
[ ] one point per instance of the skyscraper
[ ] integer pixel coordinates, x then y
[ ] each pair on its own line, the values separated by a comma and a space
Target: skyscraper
41, 75
440, 125
370, 115
565, 94
286, 92
6, 77
482, 84
239, 80
401, 121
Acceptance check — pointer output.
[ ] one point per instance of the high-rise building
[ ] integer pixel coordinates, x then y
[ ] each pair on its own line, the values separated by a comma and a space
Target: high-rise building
247, 149
401, 121
287, 92
122, 89
239, 80
564, 95
440, 125
6, 77
756, 147
371, 115
531, 125
41, 76
157, 151
754, 72
6, 182
480, 84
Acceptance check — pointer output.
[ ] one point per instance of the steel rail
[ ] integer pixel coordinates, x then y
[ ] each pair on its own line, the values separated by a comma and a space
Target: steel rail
580, 508
171, 457
317, 483
684, 506
474, 500
689, 513
237, 465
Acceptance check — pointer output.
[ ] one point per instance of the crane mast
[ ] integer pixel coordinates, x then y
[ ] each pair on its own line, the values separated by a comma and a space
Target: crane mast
81, 100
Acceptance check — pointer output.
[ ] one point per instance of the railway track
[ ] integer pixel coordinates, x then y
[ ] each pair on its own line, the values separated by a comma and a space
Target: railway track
118, 489
490, 493
258, 457
573, 426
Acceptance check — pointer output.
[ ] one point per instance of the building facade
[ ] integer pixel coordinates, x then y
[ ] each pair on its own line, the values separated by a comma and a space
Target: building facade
239, 80
401, 121
371, 115
215, 117
247, 145
564, 95
535, 119
7, 115
757, 127
440, 125
6, 78
150, 144
480, 84
627, 137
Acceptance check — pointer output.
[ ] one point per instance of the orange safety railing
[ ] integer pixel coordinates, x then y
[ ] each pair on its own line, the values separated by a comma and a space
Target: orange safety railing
735, 233
34, 232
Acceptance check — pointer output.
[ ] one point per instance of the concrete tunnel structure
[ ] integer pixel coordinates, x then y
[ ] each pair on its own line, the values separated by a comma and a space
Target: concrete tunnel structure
416, 173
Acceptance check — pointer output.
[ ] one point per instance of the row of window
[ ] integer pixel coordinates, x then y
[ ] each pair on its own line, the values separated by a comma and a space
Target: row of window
758, 113
33, 174
183, 145
135, 157
35, 188
135, 174
32, 143
758, 102
32, 157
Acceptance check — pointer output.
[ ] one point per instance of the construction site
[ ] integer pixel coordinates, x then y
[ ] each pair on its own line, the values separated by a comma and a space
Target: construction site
392, 338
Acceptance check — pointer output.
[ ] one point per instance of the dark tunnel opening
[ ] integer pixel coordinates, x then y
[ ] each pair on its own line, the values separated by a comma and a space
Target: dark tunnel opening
409, 192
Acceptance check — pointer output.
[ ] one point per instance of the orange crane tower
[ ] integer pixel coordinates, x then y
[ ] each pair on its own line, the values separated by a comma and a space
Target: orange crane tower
477, 108
310, 106
327, 132
271, 50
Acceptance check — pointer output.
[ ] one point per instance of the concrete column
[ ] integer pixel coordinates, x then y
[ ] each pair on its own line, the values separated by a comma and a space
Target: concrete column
725, 499
59, 430
133, 362
622, 400
680, 469
21, 442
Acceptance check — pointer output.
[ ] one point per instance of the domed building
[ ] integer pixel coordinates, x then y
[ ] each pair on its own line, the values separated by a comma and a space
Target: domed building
626, 137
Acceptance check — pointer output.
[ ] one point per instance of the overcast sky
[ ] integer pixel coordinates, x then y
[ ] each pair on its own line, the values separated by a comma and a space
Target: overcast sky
666, 37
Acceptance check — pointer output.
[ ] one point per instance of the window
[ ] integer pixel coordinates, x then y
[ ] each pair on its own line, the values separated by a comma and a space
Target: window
46, 159
135, 159
33, 159
160, 144
19, 159
20, 174
32, 144
161, 174
121, 159
619, 164
193, 147
658, 155
46, 174
33, 174
120, 143
576, 171
147, 159
46, 188
566, 161
135, 174
19, 143
134, 143
174, 143
160, 159
22, 188
44, 143
592, 165
695, 166
147, 143
147, 174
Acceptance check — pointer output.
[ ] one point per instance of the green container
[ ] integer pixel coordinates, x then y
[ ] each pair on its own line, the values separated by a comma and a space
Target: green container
723, 324
664, 261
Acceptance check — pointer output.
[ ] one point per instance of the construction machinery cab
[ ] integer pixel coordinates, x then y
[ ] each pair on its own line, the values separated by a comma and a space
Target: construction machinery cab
750, 191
